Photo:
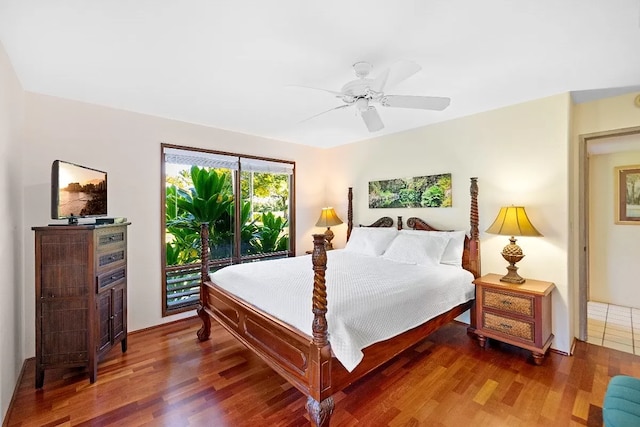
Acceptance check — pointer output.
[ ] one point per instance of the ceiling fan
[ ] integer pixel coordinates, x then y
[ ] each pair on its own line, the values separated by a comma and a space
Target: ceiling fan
364, 92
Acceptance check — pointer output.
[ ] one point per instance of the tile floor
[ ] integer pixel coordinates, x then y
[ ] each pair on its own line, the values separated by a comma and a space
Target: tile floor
613, 326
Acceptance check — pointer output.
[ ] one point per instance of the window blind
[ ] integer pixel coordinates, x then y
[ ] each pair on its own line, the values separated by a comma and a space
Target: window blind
213, 160
199, 158
257, 165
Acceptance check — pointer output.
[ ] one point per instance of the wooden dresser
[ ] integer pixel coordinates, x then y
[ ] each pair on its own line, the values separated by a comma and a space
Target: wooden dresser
516, 314
81, 295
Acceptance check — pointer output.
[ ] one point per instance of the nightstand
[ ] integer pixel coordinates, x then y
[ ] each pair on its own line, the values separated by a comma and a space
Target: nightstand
515, 314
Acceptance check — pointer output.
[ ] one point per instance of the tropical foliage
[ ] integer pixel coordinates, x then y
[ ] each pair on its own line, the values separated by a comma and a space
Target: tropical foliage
205, 195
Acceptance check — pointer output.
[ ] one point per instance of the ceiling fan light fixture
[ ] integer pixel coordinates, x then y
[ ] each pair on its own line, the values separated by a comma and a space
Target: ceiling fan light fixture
372, 119
362, 104
362, 69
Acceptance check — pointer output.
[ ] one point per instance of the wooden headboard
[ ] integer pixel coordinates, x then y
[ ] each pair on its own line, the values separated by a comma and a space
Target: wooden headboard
384, 221
471, 253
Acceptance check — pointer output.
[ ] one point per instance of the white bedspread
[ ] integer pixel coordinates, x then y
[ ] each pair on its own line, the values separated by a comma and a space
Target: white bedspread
369, 299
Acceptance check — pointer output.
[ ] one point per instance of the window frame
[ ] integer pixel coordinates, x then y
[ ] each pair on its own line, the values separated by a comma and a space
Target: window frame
236, 257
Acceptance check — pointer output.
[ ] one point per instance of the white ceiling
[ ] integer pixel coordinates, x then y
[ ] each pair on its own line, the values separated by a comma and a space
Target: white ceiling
227, 64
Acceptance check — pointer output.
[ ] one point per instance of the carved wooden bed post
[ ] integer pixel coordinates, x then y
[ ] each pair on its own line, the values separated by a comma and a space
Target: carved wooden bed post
474, 248
349, 212
205, 330
475, 234
319, 407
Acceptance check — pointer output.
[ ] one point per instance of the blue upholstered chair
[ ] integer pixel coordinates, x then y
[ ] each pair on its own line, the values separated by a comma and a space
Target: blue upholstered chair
621, 407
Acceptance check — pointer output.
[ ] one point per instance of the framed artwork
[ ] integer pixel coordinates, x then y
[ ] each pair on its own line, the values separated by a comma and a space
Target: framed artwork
432, 191
627, 193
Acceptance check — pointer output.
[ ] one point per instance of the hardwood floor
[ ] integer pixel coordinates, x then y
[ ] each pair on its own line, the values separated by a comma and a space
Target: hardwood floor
168, 378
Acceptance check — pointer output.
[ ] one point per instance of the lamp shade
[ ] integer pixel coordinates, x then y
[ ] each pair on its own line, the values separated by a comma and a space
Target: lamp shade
328, 218
513, 221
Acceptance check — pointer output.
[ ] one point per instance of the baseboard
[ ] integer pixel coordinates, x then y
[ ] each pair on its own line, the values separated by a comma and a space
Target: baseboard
5, 421
138, 331
564, 353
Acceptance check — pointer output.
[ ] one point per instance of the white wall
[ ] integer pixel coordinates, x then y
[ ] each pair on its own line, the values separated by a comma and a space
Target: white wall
11, 299
127, 146
520, 156
613, 259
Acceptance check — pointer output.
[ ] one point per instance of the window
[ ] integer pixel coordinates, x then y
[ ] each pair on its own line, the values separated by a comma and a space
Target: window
200, 186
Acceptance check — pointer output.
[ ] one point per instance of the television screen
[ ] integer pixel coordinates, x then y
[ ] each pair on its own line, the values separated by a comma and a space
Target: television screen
77, 191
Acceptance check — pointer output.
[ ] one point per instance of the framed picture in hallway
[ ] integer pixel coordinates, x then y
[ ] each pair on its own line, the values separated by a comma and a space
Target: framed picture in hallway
627, 193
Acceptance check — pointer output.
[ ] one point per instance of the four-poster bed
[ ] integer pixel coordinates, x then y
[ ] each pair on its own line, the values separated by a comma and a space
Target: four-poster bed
307, 360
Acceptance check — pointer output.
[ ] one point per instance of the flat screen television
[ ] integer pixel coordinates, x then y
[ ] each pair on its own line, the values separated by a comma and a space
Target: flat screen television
77, 192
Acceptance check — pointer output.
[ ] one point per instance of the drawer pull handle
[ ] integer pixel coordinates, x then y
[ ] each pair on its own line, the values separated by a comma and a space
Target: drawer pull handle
506, 302
111, 238
112, 257
505, 326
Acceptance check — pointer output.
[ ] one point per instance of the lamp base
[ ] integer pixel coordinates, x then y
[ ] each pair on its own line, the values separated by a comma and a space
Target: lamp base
512, 276
328, 237
512, 254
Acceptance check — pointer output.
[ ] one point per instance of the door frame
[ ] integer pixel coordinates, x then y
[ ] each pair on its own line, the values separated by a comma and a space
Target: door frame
583, 222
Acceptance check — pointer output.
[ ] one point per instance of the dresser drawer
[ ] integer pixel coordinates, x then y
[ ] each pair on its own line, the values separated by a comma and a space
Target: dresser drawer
107, 261
110, 278
508, 302
110, 238
508, 326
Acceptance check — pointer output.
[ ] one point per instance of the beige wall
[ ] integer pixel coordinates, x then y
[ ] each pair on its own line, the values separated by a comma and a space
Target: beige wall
520, 156
127, 146
11, 289
613, 259
604, 115
617, 112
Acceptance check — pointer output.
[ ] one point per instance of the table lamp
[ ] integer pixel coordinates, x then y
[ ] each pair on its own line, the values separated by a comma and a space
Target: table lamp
328, 218
513, 221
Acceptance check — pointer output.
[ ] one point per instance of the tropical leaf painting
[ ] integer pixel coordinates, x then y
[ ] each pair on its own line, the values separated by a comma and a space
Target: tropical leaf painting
433, 191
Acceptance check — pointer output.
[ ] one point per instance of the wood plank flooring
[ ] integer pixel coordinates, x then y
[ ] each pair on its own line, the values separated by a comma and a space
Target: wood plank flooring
168, 378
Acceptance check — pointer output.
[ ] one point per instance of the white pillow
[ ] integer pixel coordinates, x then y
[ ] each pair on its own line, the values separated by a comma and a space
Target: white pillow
370, 240
416, 249
453, 252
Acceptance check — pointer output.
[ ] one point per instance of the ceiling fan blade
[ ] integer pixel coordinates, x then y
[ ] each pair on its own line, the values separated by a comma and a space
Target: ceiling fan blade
400, 71
324, 112
421, 102
380, 82
372, 119
333, 92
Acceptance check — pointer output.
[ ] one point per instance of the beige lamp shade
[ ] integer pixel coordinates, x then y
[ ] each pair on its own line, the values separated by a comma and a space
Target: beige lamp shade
513, 221
328, 217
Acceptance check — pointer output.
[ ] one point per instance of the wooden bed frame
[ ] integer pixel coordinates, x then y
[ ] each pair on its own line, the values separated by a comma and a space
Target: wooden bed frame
307, 361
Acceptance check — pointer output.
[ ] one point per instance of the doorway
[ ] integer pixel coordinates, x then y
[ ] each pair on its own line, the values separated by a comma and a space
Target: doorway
615, 141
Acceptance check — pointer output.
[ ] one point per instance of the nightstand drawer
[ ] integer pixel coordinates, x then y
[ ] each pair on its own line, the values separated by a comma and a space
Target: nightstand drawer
508, 302
508, 326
